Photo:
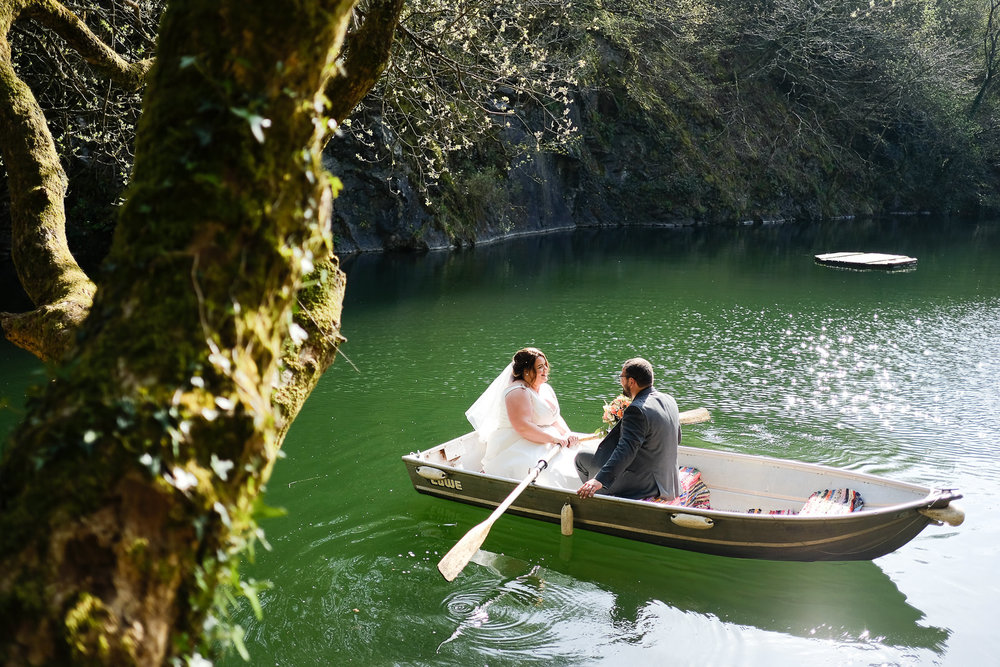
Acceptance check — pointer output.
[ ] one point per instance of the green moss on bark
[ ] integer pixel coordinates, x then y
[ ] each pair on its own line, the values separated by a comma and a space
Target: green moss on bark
161, 431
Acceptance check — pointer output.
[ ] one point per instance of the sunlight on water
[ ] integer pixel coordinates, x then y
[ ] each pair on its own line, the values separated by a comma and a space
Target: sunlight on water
895, 374
924, 385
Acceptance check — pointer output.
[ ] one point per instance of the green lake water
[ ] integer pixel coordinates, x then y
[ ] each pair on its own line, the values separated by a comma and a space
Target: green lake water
896, 374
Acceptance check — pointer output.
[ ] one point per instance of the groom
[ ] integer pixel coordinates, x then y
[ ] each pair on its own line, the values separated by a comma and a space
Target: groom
638, 458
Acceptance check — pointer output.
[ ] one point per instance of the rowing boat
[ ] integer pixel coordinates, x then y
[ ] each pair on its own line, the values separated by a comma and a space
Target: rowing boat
734, 504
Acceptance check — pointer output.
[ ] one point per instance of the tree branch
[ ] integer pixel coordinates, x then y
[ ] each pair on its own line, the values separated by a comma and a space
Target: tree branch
55, 16
53, 280
991, 55
365, 59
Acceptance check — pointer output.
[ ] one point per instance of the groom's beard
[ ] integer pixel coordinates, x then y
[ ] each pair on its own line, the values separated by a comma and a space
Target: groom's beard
627, 392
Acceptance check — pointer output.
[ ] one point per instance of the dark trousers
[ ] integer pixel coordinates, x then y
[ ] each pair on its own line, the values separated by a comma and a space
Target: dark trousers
588, 465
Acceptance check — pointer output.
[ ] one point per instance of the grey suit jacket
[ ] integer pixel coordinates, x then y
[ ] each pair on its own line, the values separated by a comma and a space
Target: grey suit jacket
643, 461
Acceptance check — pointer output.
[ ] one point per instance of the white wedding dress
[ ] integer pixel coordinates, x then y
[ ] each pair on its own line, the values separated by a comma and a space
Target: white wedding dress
510, 455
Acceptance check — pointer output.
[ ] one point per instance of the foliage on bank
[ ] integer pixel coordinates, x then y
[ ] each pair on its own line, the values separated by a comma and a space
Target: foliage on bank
494, 119
689, 110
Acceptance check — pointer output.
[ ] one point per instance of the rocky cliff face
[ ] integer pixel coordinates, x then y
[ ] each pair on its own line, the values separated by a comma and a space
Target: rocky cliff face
595, 185
628, 167
381, 209
377, 210
681, 136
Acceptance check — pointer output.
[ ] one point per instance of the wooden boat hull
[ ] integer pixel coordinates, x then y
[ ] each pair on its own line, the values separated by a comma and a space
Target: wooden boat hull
893, 514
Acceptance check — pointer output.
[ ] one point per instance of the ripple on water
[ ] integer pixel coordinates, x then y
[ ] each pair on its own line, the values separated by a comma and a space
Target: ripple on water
529, 616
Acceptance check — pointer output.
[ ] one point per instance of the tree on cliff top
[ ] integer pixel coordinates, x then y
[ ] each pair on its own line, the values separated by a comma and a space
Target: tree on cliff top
132, 482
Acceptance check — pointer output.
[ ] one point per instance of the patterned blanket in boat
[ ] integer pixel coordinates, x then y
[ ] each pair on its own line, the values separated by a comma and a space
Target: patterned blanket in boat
695, 493
827, 502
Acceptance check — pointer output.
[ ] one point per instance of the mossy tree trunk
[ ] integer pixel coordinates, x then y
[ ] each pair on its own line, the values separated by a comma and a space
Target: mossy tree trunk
132, 480
366, 56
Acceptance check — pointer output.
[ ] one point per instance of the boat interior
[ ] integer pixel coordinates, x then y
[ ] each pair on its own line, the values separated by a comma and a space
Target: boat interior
733, 482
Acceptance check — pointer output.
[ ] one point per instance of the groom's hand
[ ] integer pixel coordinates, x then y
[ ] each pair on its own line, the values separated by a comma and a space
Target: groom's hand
589, 488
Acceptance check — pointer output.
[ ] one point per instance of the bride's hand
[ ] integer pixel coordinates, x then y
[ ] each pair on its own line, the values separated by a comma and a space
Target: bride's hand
570, 441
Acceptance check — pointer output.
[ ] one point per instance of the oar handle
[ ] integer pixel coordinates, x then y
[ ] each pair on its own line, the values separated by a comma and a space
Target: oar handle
695, 416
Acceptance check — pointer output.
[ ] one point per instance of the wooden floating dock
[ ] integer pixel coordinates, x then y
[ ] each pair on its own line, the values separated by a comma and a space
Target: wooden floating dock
866, 260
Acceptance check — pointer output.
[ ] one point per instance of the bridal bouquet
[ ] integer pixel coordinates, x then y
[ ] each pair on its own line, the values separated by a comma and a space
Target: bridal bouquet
613, 412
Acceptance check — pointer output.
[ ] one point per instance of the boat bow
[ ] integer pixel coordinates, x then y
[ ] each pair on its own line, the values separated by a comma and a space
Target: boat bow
941, 510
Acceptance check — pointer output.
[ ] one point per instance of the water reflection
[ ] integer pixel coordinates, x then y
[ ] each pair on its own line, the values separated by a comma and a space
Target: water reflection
614, 586
891, 374
565, 601
740, 321
518, 616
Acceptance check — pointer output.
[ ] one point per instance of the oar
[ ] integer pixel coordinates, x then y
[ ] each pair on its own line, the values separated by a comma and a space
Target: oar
455, 560
695, 416
459, 556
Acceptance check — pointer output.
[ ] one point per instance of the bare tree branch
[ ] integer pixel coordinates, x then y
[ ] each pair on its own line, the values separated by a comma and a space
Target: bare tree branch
991, 54
55, 16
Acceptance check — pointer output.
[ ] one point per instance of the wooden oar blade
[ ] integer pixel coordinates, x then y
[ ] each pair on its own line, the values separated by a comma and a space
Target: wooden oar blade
695, 416
459, 555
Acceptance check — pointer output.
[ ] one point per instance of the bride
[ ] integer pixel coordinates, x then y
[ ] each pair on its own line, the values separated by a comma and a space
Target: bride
518, 416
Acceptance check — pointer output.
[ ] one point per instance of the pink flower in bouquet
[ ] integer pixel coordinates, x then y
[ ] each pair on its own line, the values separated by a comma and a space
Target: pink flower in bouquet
614, 410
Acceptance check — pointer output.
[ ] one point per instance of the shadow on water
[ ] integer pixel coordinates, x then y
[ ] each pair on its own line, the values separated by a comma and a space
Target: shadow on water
20, 371
848, 602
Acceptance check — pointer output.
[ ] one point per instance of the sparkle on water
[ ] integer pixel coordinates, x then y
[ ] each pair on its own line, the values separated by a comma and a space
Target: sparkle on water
888, 373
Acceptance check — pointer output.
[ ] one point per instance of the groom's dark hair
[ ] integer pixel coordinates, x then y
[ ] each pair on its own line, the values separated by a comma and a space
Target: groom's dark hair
639, 370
